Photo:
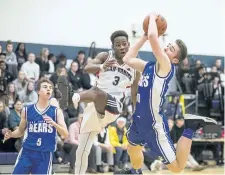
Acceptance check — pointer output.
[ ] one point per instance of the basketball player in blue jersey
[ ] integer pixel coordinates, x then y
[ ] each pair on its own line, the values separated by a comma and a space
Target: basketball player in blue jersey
150, 127
39, 124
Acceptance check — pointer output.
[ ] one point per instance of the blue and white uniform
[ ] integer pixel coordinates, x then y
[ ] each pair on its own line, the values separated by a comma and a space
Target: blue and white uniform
39, 142
150, 126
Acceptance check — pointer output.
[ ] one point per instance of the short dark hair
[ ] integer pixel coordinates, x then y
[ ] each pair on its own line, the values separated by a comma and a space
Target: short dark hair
117, 34
183, 50
18, 100
50, 56
43, 80
81, 52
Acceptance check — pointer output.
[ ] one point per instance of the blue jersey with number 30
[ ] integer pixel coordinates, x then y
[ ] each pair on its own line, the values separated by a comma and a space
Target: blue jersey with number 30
39, 135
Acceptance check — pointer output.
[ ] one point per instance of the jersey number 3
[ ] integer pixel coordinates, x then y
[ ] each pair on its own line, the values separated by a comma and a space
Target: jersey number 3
116, 80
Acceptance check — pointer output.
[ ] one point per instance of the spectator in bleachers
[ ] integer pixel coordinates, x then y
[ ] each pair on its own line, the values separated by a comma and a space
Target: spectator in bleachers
185, 74
11, 59
5, 78
14, 117
61, 61
81, 59
51, 61
173, 108
118, 140
20, 82
218, 65
215, 89
75, 76
2, 56
43, 61
21, 54
59, 72
71, 145
103, 145
11, 95
29, 96
31, 69
170, 123
9, 144
74, 112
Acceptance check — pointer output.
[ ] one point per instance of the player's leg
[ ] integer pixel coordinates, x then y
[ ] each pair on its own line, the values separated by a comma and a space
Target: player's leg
42, 162
95, 95
23, 163
134, 150
192, 123
86, 141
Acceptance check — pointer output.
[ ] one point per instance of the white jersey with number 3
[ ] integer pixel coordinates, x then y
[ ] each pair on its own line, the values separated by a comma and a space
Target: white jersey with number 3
115, 80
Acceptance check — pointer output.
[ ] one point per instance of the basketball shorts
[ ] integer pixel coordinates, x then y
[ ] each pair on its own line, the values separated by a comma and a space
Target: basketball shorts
93, 121
157, 141
34, 162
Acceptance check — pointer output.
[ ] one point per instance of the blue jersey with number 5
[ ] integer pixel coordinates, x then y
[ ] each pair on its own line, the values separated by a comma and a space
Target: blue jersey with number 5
39, 135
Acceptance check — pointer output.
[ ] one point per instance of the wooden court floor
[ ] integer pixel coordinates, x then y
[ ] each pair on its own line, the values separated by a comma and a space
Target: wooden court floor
211, 170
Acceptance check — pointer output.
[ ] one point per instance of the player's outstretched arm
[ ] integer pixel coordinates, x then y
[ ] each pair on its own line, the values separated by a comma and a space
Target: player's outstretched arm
20, 130
130, 57
162, 58
97, 63
134, 89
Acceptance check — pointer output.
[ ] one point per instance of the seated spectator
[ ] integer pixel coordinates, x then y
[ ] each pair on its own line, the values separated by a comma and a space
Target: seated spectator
2, 56
61, 61
14, 121
21, 54
75, 76
20, 82
43, 62
118, 140
5, 78
11, 59
51, 61
218, 65
71, 145
11, 95
59, 72
7, 146
14, 117
29, 96
31, 69
81, 60
185, 74
173, 108
103, 145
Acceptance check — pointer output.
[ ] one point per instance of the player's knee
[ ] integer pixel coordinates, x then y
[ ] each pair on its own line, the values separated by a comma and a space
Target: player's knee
134, 150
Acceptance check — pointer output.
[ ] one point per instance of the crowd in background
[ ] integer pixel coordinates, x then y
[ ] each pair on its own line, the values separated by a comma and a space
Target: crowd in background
20, 70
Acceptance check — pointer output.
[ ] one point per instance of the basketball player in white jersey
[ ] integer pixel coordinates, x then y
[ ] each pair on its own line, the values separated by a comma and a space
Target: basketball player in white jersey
104, 99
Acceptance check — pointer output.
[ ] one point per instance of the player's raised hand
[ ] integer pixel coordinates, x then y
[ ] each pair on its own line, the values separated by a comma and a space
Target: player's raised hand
49, 120
7, 135
109, 63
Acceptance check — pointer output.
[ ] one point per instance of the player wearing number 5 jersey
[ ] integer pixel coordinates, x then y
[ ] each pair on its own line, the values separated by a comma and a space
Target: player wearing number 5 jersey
105, 99
39, 124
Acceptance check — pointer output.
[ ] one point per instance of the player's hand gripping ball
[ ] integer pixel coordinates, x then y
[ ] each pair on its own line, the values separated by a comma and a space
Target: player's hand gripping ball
160, 22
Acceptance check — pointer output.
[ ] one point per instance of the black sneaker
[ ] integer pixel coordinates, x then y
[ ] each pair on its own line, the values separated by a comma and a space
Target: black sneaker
196, 122
123, 171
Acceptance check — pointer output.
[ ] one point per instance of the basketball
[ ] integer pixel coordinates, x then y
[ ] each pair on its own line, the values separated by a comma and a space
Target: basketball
161, 24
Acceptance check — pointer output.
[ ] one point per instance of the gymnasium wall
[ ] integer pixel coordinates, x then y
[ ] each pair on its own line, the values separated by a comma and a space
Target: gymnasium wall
78, 23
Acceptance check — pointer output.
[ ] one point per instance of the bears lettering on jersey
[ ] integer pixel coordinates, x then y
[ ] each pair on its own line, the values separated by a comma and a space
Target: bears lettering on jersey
143, 82
120, 70
40, 127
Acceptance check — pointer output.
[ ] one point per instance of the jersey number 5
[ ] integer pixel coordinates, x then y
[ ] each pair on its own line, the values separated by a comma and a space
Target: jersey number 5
39, 142
116, 80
